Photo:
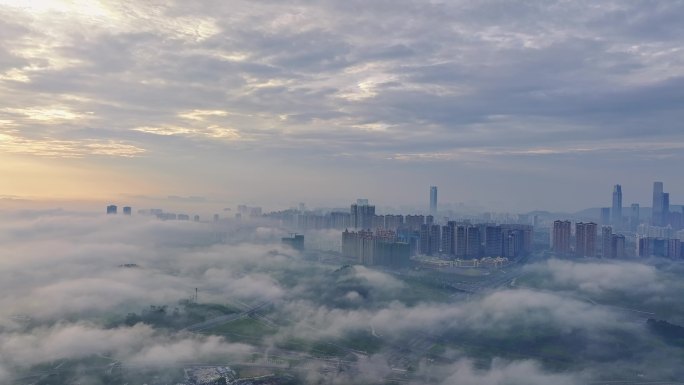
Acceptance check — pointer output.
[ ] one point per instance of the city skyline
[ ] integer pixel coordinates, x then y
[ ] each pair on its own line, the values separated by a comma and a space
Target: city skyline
297, 192
510, 106
629, 210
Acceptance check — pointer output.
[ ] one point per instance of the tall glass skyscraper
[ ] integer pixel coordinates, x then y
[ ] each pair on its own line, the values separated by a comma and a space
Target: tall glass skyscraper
616, 211
433, 200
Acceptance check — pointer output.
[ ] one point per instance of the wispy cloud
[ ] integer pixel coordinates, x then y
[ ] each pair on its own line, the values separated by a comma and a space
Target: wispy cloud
13, 142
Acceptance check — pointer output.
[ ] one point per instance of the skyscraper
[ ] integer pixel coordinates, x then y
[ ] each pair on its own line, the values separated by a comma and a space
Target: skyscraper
433, 200
616, 211
657, 208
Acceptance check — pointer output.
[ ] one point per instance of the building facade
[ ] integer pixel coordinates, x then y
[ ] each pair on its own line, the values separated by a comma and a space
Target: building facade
560, 242
585, 239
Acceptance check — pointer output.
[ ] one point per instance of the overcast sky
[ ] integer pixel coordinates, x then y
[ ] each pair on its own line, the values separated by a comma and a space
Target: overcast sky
514, 105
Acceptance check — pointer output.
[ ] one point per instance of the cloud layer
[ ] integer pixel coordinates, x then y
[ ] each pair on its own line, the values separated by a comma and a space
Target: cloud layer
63, 297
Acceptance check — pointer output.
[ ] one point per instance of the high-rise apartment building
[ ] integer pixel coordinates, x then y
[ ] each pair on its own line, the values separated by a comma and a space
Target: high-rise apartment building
430, 239
618, 246
435, 239
448, 238
393, 222
375, 249
424, 239
433, 200
460, 242
616, 210
473, 242
362, 214
493, 241
561, 237
429, 219
585, 239
413, 222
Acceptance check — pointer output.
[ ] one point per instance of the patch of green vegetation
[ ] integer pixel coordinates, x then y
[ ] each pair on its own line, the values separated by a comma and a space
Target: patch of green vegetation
294, 343
211, 307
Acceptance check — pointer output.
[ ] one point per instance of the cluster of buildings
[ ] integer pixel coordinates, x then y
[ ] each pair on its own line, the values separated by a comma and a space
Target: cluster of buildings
657, 237
209, 375
462, 240
393, 239
390, 240
659, 241
662, 214
379, 248
159, 213
113, 210
438, 264
660, 247
584, 243
295, 241
244, 211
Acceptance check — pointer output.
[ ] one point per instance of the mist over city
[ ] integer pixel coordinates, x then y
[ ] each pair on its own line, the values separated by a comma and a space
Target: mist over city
341, 192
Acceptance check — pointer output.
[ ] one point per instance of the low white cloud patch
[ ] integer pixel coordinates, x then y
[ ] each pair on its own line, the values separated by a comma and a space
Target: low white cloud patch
600, 276
139, 344
378, 278
500, 373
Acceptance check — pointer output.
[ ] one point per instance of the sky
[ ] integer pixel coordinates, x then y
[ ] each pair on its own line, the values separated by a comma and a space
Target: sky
511, 105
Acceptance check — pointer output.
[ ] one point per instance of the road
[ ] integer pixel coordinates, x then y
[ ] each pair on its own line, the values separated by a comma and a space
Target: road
208, 324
